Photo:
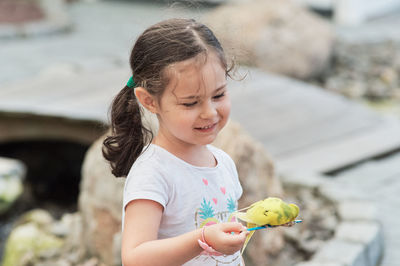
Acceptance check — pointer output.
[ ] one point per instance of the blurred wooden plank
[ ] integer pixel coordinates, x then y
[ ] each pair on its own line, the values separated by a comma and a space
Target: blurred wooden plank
85, 96
300, 125
304, 127
344, 151
300, 116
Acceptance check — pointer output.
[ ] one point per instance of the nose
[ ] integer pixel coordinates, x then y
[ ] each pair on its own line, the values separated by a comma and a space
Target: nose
208, 110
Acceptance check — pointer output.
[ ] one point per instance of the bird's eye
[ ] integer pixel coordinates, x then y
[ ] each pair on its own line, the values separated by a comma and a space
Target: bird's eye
266, 213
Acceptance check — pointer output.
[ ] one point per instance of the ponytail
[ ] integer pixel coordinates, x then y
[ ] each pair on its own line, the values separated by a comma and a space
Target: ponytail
128, 135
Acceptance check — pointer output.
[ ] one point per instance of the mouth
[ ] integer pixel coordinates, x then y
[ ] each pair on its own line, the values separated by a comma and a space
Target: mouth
206, 128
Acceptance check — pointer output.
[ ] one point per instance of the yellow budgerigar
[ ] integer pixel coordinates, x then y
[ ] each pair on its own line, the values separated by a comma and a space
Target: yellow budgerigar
268, 212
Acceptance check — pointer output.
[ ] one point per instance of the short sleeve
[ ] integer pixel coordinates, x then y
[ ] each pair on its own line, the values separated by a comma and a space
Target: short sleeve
145, 182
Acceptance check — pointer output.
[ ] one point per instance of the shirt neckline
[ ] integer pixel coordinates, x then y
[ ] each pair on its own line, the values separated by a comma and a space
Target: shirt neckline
209, 147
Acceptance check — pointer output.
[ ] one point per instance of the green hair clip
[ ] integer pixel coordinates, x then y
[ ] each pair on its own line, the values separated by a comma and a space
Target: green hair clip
131, 83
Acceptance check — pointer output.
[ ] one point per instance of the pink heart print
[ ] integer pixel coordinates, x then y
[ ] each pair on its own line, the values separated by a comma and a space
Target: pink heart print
215, 200
205, 181
223, 190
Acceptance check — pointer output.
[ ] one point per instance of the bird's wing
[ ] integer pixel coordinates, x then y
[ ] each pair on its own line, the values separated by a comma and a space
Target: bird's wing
243, 216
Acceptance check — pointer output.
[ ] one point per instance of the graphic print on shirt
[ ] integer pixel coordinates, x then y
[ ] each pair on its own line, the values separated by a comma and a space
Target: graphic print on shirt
207, 215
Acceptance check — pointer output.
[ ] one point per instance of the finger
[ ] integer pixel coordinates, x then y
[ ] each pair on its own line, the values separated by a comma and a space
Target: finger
243, 230
245, 233
232, 227
237, 239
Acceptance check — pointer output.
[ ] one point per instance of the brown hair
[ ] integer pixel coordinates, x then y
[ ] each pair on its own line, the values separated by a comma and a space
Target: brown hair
159, 46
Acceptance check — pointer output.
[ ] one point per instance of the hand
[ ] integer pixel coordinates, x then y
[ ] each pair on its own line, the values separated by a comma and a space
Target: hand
226, 238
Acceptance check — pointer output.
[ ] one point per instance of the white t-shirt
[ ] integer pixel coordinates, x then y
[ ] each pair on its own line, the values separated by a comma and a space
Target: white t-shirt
191, 196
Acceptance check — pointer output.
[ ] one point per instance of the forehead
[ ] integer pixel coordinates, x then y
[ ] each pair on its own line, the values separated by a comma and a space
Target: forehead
203, 72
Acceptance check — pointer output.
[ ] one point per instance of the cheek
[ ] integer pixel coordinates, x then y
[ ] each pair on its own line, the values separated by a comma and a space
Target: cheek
185, 117
225, 108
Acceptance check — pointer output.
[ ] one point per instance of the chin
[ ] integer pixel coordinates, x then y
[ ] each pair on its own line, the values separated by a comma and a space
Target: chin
210, 140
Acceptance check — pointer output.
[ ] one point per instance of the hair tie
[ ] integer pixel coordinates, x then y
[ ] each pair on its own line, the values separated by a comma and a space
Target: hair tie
131, 83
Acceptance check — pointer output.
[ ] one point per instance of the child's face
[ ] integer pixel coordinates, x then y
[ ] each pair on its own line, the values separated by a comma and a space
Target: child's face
195, 105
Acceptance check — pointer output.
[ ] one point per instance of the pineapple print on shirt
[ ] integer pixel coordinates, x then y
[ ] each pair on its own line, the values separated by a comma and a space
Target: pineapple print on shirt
206, 215
218, 208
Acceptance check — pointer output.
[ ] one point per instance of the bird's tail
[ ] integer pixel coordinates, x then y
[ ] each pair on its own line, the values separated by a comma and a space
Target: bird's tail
249, 225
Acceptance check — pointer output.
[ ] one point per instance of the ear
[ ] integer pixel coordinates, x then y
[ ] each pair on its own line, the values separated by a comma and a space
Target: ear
146, 99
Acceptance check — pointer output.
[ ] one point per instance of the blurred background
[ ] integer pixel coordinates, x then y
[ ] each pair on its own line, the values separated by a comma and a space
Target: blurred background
315, 121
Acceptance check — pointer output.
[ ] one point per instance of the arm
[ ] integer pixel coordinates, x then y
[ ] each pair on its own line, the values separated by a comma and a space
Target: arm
139, 239
141, 247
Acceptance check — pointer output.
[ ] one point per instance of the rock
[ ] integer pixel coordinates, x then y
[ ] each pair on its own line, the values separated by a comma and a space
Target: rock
39, 217
308, 263
27, 243
12, 173
357, 210
67, 231
20, 12
302, 179
51, 17
341, 252
277, 36
74, 249
365, 70
257, 176
329, 222
311, 246
63, 228
100, 199
367, 233
255, 167
92, 262
100, 204
117, 248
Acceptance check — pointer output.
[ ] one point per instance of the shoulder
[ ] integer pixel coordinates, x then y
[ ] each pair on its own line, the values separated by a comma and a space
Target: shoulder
222, 156
148, 178
226, 162
148, 167
218, 152
151, 159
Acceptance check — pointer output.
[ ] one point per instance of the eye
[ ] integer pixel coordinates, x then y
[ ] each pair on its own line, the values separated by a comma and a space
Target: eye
266, 213
219, 95
189, 104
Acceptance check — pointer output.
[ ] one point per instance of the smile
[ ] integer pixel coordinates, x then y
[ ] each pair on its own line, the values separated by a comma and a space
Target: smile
206, 127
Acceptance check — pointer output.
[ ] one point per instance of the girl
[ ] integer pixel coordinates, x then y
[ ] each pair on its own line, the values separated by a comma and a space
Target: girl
180, 191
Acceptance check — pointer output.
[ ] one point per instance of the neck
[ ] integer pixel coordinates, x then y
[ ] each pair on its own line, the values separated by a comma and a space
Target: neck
197, 155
